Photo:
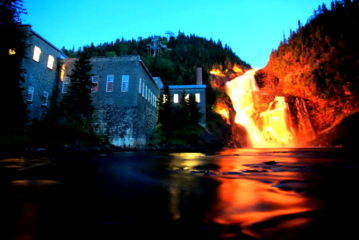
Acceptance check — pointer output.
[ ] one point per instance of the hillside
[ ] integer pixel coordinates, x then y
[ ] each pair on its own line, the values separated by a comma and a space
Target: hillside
319, 62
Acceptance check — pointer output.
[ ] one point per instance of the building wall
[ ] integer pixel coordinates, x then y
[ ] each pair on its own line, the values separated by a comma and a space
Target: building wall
187, 88
38, 74
126, 117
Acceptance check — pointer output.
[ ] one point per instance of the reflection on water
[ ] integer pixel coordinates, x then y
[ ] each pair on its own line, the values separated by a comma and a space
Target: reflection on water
241, 194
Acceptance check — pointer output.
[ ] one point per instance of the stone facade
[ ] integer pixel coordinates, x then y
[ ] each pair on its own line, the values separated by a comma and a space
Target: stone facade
38, 76
127, 115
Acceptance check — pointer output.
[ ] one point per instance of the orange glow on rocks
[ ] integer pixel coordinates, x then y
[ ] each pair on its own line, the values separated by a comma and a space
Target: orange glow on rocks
216, 72
275, 130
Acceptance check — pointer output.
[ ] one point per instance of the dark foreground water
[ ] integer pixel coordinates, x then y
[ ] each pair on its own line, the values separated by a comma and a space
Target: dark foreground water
234, 194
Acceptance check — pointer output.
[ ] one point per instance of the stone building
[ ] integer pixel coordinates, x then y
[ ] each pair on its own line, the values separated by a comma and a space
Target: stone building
124, 98
41, 72
198, 90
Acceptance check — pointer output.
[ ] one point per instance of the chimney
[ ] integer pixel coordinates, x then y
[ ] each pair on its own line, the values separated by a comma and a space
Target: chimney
199, 75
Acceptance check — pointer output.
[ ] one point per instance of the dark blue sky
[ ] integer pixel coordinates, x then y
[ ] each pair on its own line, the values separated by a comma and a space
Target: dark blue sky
251, 28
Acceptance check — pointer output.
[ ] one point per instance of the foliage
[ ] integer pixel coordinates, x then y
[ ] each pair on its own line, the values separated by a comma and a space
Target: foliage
77, 103
320, 59
13, 37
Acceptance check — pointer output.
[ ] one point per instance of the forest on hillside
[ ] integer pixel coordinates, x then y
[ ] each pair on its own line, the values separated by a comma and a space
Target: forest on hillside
176, 65
321, 58
319, 62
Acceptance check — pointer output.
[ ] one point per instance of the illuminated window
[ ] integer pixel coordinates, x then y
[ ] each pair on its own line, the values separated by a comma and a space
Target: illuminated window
143, 89
62, 73
164, 98
44, 98
12, 52
50, 62
65, 84
198, 97
37, 53
186, 97
175, 98
140, 86
125, 82
95, 82
109, 85
30, 93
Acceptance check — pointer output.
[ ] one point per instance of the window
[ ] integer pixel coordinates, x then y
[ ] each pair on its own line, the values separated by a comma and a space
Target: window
30, 93
62, 73
44, 98
65, 84
186, 97
143, 89
164, 98
198, 97
12, 52
95, 82
37, 53
109, 85
175, 98
125, 82
146, 93
155, 101
149, 94
50, 62
140, 86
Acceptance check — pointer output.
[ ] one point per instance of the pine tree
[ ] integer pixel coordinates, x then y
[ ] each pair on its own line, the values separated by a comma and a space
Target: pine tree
77, 103
195, 114
13, 38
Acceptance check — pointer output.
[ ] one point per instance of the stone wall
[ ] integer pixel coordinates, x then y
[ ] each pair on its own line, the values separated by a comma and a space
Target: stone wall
127, 118
38, 75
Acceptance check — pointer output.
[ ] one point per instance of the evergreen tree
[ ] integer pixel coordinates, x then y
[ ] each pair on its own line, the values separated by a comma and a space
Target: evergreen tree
166, 112
77, 103
12, 50
194, 113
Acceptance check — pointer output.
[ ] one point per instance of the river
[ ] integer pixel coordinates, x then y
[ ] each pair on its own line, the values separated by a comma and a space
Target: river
233, 194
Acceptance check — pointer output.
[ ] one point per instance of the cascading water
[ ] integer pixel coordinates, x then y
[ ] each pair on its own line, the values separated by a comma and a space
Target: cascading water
276, 130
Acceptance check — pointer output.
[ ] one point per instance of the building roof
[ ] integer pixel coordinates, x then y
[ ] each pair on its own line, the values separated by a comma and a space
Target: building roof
179, 87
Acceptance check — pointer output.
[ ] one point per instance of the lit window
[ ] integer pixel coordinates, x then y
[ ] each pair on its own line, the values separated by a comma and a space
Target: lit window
12, 52
175, 98
50, 62
164, 98
37, 53
30, 93
125, 82
44, 98
95, 82
109, 84
65, 84
140, 86
186, 97
62, 73
198, 97
143, 89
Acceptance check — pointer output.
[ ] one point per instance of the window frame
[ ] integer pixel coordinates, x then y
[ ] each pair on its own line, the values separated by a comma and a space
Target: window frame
198, 97
66, 83
125, 83
51, 67
30, 92
36, 54
175, 98
95, 80
110, 79
45, 98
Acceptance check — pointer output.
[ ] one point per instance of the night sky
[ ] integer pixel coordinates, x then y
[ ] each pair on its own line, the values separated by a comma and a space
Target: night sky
251, 28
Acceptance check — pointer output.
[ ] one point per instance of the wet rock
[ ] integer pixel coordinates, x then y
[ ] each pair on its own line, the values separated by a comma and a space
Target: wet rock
213, 173
254, 170
270, 162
